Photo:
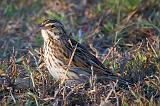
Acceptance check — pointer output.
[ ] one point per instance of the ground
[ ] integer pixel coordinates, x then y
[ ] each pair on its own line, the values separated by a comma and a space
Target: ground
123, 34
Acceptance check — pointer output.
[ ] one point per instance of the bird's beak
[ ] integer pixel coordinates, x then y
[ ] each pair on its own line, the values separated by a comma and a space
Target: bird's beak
41, 26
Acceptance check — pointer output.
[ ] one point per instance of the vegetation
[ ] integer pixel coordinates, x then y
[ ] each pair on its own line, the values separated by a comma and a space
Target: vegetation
123, 34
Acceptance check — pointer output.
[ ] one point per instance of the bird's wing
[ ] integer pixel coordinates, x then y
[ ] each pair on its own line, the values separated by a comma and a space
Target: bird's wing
83, 58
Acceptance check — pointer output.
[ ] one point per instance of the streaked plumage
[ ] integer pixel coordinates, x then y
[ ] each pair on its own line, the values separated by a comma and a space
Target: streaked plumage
59, 48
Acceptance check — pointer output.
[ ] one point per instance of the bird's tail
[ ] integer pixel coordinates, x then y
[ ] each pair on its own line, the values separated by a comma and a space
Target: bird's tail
121, 82
124, 83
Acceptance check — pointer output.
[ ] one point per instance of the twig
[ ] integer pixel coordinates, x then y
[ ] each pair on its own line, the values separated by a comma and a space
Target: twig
12, 95
69, 64
110, 51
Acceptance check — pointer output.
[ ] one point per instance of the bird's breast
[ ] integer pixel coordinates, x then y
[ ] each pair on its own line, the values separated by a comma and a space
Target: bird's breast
53, 62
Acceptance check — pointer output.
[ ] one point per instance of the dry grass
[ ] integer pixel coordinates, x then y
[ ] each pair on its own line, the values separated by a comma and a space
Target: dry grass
124, 35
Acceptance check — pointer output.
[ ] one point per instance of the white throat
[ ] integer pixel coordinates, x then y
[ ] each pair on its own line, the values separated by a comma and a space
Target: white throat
46, 34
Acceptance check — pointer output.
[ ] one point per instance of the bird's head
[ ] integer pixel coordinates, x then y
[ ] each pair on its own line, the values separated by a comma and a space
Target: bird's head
52, 29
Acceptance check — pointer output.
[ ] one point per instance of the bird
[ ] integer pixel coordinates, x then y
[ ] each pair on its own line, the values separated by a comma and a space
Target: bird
68, 60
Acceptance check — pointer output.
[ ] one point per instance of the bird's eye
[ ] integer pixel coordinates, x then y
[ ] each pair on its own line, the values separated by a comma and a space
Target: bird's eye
52, 26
